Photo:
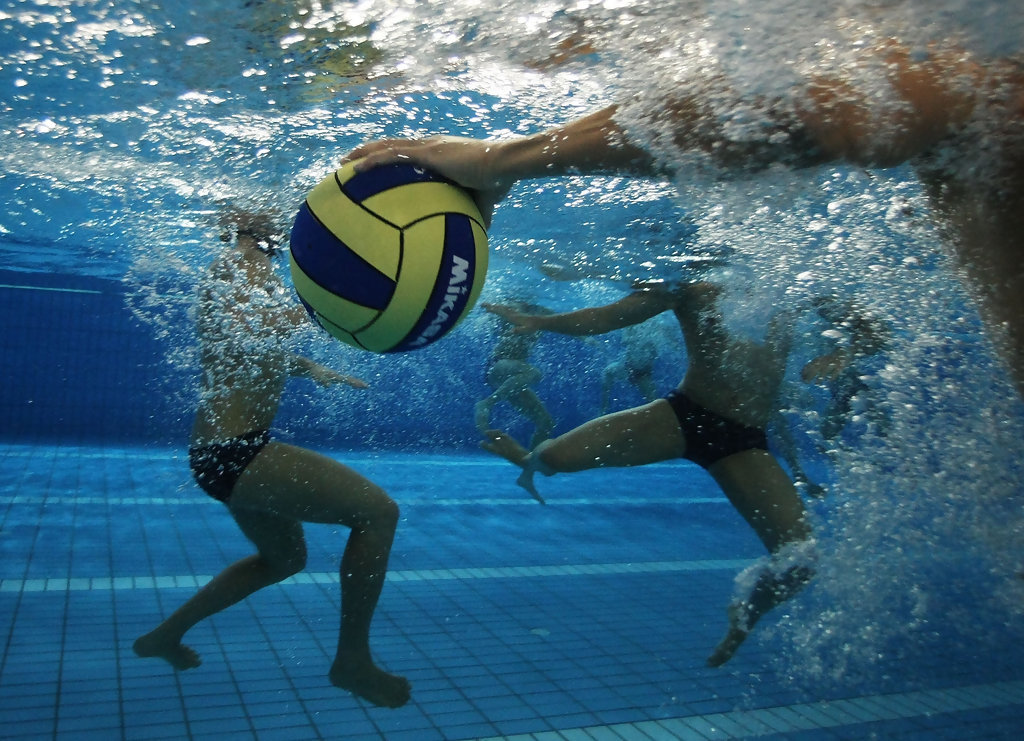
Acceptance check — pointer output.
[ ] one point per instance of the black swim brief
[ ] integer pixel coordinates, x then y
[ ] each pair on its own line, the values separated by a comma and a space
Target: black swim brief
217, 466
711, 437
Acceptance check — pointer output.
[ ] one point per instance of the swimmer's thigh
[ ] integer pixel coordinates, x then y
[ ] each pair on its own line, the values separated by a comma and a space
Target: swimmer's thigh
759, 489
632, 437
294, 482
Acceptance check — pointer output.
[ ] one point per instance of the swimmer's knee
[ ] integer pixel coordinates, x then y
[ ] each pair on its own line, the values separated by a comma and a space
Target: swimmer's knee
384, 512
285, 565
389, 511
799, 554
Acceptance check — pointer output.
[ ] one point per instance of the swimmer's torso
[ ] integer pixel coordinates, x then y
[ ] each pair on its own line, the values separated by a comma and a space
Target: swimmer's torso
242, 332
514, 345
976, 180
736, 377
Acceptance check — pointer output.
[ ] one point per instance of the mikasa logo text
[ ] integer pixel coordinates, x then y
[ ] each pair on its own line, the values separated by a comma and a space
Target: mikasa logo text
458, 277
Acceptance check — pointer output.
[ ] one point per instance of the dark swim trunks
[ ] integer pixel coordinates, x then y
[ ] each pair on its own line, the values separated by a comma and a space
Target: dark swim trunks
217, 466
711, 437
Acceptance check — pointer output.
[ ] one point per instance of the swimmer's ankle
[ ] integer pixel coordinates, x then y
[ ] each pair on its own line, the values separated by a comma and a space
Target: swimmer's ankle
534, 462
525, 480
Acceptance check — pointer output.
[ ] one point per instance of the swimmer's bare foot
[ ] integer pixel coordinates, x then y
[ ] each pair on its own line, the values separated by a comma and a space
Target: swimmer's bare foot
816, 491
739, 629
525, 480
808, 487
175, 653
366, 680
507, 447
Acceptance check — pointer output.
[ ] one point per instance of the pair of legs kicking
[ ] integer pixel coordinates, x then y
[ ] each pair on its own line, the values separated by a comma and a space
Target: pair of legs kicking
751, 478
281, 487
511, 380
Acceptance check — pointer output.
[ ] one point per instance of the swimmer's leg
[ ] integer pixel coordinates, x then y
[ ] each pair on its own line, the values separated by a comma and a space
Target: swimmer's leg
764, 495
646, 386
633, 437
510, 380
281, 553
482, 413
609, 376
776, 581
507, 447
530, 406
307, 486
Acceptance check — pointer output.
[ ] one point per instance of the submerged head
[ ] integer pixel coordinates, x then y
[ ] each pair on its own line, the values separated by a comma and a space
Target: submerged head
252, 230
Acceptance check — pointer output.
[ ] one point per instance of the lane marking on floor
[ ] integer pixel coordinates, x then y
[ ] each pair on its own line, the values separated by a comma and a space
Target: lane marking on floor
194, 581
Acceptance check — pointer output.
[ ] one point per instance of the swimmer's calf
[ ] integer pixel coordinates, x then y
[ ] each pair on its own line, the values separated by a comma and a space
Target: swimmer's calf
762, 587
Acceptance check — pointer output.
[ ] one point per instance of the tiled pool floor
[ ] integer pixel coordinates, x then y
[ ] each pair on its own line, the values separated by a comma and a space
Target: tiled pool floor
586, 619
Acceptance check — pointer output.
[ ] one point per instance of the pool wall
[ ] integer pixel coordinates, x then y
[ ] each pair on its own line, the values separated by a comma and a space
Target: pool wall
80, 368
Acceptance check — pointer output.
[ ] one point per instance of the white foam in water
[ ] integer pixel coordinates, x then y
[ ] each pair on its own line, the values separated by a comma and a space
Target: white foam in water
163, 115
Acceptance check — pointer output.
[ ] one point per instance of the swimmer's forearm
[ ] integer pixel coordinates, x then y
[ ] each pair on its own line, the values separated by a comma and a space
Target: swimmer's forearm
301, 367
575, 323
591, 145
633, 309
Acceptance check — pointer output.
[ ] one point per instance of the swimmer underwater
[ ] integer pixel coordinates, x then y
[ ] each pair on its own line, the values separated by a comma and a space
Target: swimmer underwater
951, 110
270, 488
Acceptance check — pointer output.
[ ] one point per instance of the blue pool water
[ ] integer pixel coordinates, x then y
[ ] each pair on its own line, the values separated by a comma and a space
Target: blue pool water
589, 618
127, 127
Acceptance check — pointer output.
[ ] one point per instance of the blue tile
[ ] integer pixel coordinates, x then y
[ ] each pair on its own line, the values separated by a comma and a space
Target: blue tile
476, 668
335, 724
78, 724
289, 732
458, 731
27, 729
513, 726
154, 731
219, 727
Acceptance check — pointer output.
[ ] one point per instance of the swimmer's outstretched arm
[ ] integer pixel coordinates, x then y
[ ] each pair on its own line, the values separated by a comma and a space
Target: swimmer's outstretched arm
833, 121
864, 335
302, 367
635, 308
591, 145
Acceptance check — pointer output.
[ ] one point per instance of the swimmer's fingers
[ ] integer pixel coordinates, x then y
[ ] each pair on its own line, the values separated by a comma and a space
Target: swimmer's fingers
380, 152
468, 162
356, 383
510, 315
472, 163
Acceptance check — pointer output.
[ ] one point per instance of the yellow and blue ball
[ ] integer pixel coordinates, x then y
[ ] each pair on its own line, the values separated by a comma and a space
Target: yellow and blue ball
389, 259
